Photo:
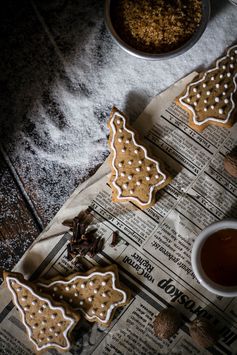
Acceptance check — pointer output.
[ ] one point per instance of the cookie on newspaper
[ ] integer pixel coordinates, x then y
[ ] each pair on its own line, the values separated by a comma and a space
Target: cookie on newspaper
97, 293
211, 98
135, 176
48, 324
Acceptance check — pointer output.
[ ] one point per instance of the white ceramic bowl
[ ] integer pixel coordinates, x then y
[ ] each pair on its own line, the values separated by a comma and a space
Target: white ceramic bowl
196, 259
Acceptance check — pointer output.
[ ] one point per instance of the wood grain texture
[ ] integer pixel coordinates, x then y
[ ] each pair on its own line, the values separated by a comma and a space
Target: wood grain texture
18, 229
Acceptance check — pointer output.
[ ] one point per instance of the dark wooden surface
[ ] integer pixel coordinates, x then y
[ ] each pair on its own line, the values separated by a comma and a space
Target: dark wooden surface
18, 226
31, 189
60, 74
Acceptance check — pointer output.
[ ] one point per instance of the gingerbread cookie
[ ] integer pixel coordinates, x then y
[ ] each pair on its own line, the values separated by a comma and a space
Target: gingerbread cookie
135, 177
211, 98
48, 324
96, 293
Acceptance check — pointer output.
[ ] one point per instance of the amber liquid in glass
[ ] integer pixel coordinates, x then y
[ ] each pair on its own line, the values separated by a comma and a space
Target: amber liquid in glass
219, 257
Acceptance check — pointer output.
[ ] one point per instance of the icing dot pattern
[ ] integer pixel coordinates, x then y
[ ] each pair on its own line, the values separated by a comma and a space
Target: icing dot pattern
40, 317
215, 90
131, 179
90, 302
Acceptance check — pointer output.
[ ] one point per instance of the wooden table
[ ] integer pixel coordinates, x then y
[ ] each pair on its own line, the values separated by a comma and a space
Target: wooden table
59, 71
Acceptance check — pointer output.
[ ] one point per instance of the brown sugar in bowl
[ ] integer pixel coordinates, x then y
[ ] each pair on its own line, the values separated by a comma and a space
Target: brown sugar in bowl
156, 29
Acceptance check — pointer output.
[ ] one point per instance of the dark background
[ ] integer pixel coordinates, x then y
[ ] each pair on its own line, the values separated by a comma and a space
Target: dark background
58, 70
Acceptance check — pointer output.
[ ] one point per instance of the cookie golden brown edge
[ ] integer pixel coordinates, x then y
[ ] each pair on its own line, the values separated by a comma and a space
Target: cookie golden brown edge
97, 293
48, 323
210, 99
136, 175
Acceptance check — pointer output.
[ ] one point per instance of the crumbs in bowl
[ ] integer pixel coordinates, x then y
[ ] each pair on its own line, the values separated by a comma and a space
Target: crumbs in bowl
156, 26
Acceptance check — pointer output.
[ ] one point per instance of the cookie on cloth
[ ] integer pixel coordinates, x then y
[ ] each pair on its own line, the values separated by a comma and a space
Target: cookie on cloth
48, 323
135, 176
210, 99
97, 293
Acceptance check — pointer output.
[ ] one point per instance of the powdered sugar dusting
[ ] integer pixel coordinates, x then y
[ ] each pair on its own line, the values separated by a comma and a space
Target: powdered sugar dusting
81, 141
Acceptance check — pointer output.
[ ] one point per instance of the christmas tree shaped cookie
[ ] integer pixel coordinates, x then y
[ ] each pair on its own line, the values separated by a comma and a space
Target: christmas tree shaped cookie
211, 99
96, 293
135, 176
48, 324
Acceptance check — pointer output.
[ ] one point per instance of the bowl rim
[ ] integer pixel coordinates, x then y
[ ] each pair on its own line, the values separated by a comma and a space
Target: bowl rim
205, 281
206, 11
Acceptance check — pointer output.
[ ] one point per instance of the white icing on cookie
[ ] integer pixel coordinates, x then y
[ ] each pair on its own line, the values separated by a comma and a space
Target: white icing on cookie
114, 182
190, 87
76, 278
9, 279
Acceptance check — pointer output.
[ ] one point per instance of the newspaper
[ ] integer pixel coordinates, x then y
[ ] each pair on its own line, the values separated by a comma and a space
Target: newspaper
154, 250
